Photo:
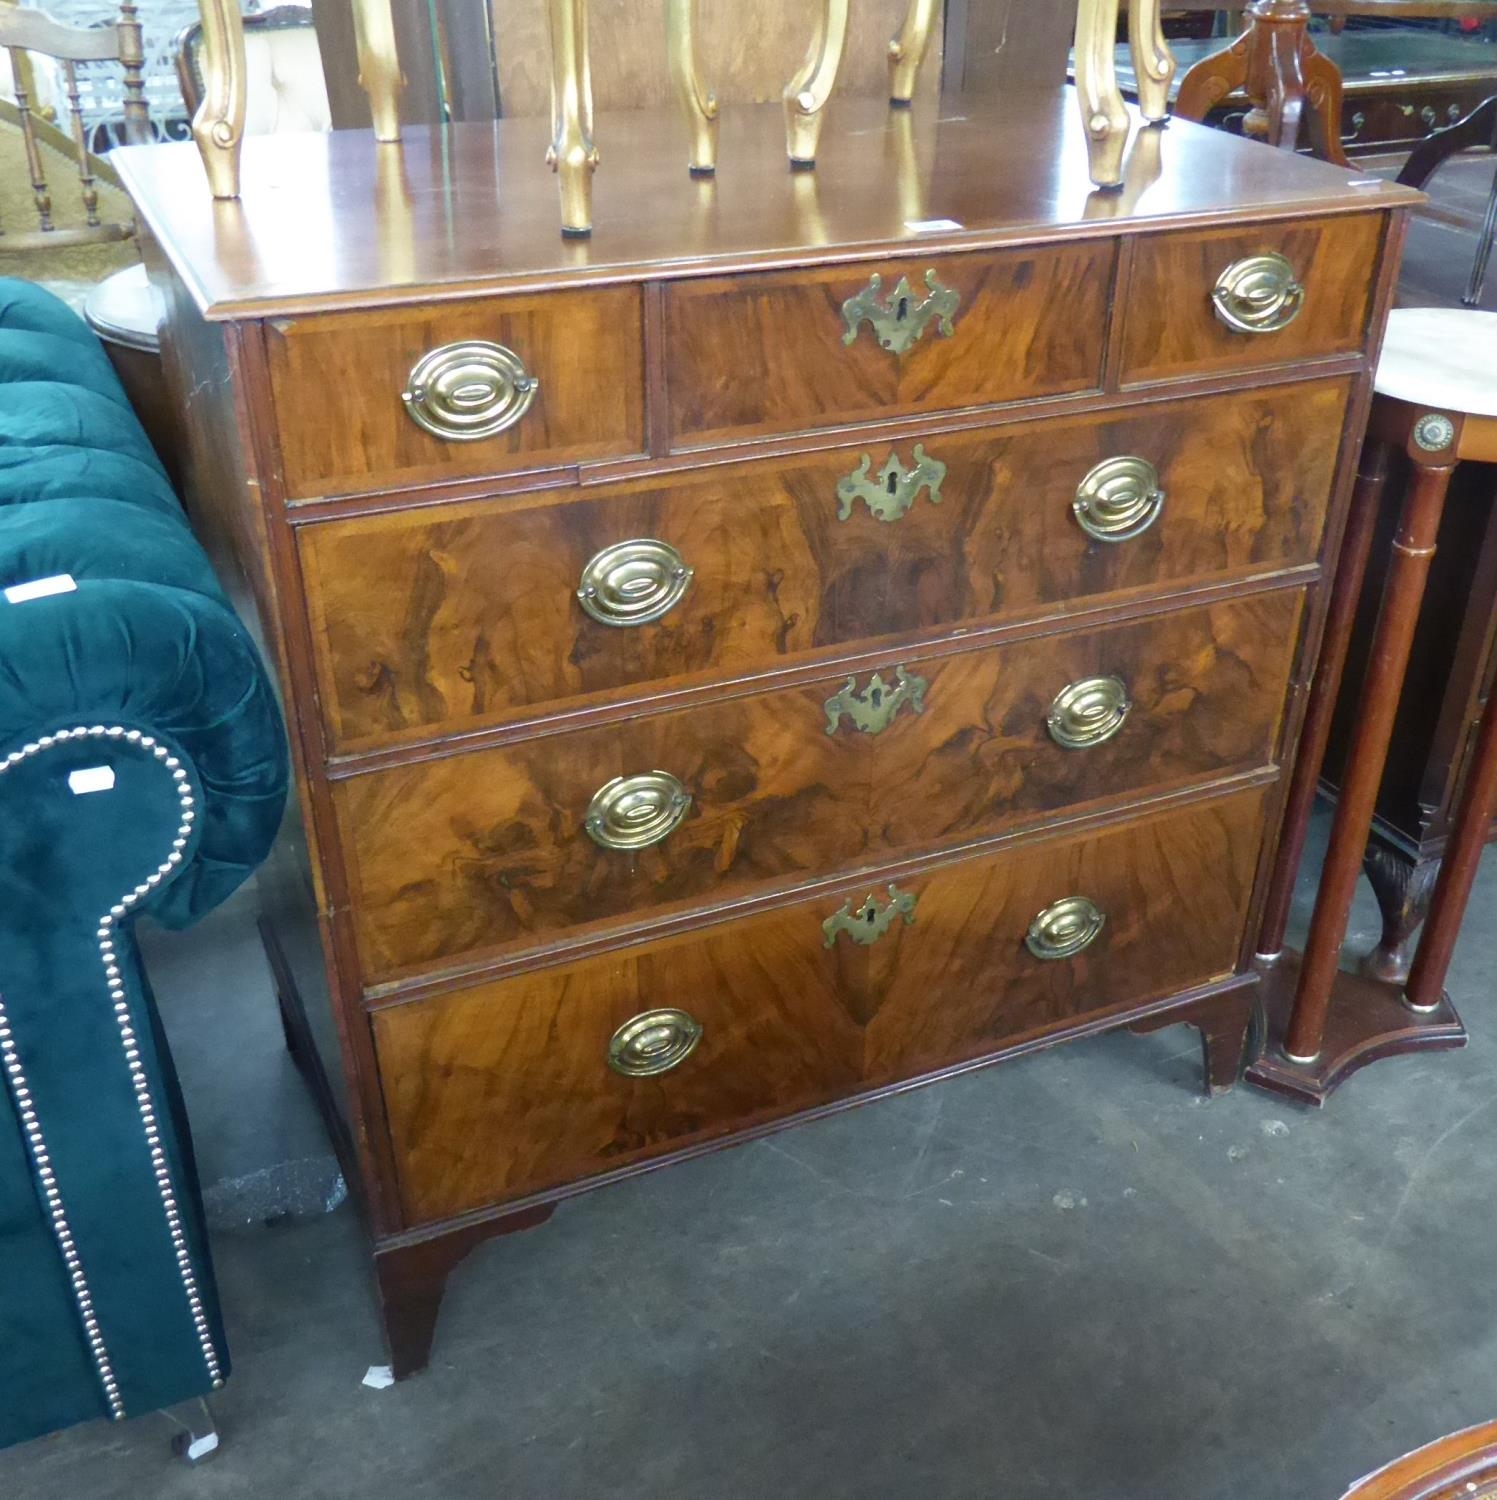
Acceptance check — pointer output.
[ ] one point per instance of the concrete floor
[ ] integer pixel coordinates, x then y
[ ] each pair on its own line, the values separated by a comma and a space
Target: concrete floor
1064, 1276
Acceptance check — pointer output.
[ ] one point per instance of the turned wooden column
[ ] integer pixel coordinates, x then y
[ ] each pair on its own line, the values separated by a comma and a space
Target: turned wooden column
1408, 568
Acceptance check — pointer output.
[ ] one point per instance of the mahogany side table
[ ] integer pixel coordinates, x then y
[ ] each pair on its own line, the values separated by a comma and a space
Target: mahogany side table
1437, 402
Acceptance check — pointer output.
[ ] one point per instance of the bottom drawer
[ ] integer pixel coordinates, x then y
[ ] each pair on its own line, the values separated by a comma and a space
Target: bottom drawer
510, 1088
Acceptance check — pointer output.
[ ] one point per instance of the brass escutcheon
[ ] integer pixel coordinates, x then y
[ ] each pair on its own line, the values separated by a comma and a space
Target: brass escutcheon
653, 1042
1064, 928
633, 812
633, 583
872, 710
1259, 294
1119, 499
901, 320
895, 488
465, 392
870, 921
1088, 712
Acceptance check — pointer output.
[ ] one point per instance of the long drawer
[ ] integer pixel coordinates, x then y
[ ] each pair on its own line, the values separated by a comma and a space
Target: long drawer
464, 857
434, 621
511, 1088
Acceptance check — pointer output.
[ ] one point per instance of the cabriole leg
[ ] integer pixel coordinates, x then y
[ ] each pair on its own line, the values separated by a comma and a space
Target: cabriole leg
218, 125
572, 155
1153, 62
907, 51
807, 93
1102, 111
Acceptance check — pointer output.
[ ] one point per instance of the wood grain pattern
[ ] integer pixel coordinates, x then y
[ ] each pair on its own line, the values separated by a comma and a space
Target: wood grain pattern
503, 1090
760, 354
437, 621
338, 378
467, 857
1171, 329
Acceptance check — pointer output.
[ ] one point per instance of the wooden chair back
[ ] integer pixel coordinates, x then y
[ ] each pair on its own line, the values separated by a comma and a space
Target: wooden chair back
27, 32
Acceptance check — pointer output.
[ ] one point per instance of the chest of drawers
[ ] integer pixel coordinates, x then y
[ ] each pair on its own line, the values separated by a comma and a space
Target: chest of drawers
823, 633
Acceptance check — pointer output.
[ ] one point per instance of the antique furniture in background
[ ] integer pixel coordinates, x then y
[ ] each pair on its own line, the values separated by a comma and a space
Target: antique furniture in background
143, 769
32, 31
1462, 1466
1433, 412
830, 631
1478, 129
284, 86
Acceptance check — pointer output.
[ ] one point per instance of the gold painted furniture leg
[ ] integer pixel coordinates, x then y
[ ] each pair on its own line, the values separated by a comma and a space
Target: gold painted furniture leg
907, 51
698, 102
1102, 110
379, 65
806, 94
1153, 62
218, 125
572, 155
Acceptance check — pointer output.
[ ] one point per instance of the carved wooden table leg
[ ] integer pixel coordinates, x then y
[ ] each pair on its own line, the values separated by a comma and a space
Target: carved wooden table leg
218, 125
698, 102
807, 93
572, 154
379, 65
1303, 1059
1402, 886
1103, 112
907, 51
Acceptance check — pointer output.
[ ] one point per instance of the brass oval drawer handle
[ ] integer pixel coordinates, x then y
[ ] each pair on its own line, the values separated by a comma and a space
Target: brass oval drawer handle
870, 921
634, 583
873, 710
898, 321
653, 1042
894, 489
1088, 712
1119, 499
633, 812
1259, 294
466, 392
1065, 928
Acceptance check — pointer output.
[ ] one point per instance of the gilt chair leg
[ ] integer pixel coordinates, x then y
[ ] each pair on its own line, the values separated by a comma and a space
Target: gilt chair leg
572, 155
218, 125
807, 93
907, 51
698, 102
1153, 62
379, 65
1103, 113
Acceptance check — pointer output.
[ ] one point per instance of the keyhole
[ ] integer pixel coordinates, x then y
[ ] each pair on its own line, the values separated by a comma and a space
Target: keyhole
876, 697
869, 915
893, 483
903, 310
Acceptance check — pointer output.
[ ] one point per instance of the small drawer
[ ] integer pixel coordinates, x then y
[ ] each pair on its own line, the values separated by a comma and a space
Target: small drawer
464, 858
518, 1086
1244, 298
792, 351
366, 400
447, 619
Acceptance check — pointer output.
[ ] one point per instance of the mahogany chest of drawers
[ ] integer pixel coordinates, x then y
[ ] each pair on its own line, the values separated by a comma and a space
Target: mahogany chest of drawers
827, 631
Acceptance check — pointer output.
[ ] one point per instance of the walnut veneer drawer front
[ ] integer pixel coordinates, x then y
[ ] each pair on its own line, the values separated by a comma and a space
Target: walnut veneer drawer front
440, 620
508, 1088
790, 351
1235, 298
465, 857
371, 399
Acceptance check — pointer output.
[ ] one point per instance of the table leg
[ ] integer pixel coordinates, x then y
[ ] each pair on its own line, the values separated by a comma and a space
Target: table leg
806, 94
698, 102
1413, 547
1153, 62
1372, 474
1478, 282
218, 125
379, 65
1426, 986
907, 51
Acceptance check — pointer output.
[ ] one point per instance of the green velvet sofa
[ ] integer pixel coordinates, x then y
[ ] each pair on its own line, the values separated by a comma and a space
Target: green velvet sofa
143, 769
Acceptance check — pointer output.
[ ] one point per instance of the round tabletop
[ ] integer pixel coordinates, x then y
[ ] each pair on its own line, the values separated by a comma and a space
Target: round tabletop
126, 309
1441, 357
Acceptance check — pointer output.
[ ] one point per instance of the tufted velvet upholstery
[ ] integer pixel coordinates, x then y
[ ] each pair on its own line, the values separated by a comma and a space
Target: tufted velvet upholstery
141, 671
